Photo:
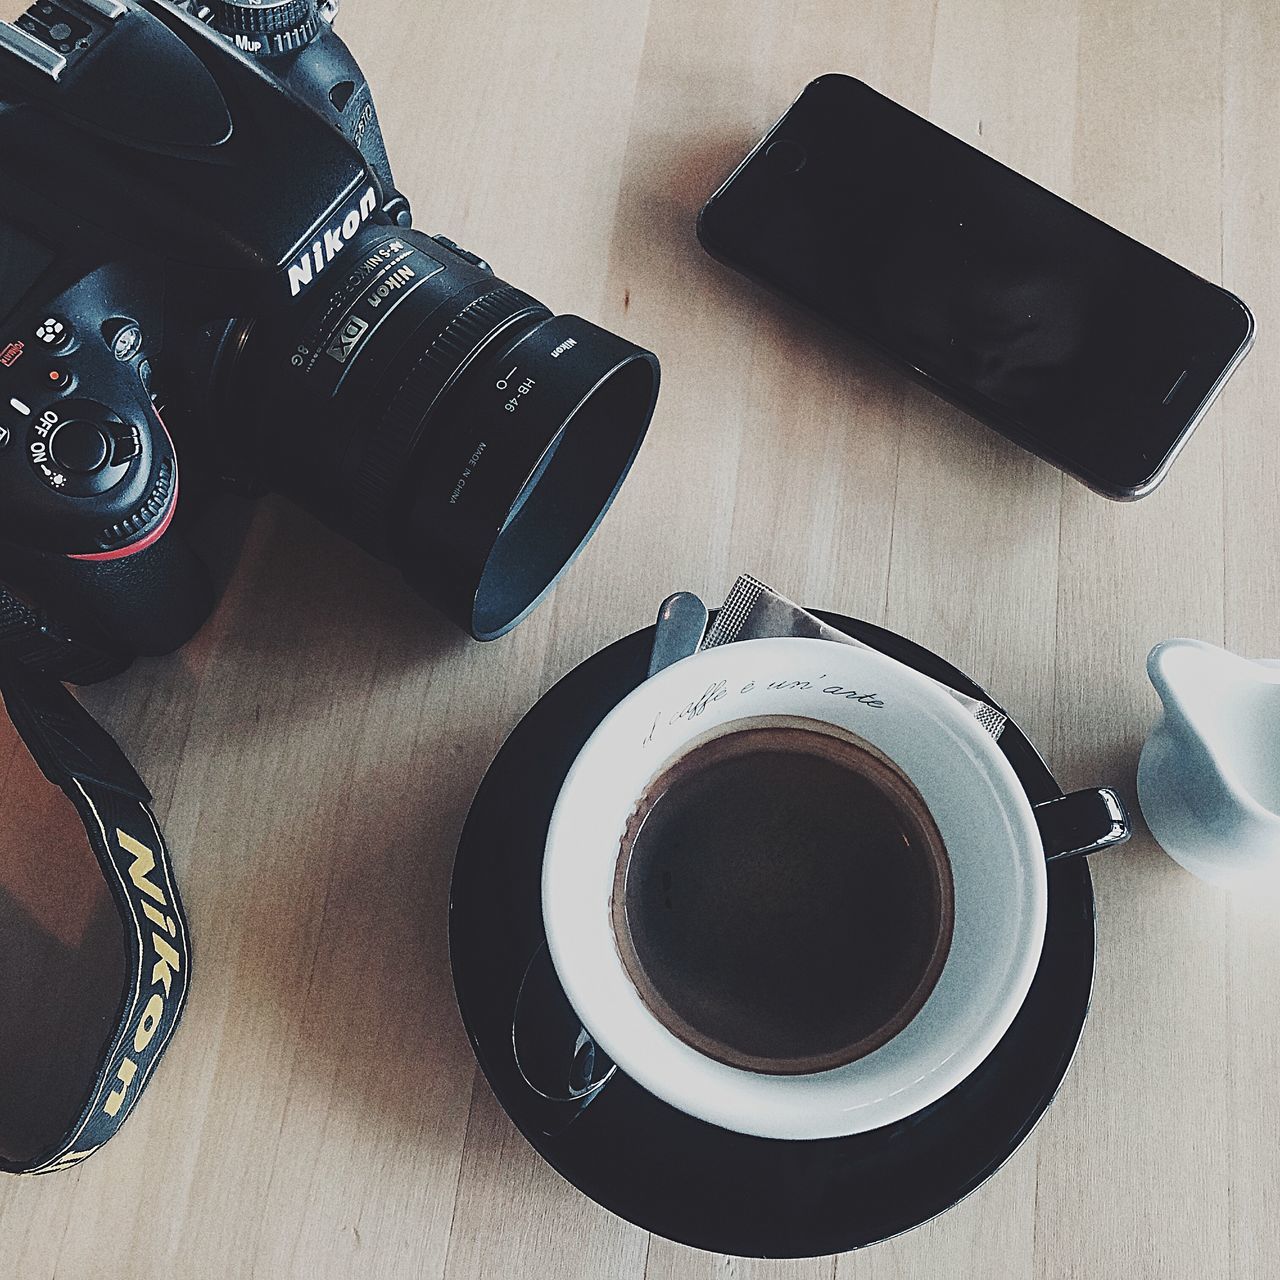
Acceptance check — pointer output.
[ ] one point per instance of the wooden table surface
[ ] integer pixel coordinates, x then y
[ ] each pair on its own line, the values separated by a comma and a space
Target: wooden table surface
314, 751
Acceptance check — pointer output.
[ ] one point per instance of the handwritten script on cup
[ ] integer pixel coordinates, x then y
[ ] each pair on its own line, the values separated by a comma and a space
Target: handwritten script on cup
716, 692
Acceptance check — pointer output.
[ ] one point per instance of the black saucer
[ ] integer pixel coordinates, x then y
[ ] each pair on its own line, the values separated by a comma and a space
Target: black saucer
684, 1178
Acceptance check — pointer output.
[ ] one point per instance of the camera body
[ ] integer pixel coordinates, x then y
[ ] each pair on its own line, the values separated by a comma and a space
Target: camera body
201, 245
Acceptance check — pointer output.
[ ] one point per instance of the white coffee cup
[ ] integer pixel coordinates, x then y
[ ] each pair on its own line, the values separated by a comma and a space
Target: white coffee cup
988, 825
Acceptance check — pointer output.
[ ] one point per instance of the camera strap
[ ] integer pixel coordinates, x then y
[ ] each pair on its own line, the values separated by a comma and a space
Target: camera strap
32, 641
79, 757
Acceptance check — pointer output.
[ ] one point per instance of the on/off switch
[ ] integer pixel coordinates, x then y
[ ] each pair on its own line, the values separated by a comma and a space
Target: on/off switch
126, 444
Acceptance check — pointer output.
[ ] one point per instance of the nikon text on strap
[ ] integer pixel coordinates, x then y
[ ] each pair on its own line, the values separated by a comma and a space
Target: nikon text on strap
77, 755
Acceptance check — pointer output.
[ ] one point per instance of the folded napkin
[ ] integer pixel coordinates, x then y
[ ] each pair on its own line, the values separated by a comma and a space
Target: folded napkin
752, 611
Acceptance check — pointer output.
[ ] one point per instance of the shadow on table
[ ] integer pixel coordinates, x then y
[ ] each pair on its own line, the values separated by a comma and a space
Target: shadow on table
281, 572
314, 809
295, 598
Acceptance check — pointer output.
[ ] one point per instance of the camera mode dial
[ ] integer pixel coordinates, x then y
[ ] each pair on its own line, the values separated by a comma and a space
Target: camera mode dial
267, 28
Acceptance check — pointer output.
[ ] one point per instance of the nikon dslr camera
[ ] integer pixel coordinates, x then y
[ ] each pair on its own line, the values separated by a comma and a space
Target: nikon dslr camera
205, 266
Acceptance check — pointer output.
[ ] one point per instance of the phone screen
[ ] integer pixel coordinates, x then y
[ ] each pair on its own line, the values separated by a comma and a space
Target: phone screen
1065, 334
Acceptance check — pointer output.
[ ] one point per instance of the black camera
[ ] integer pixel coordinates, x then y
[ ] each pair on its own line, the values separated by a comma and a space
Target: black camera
201, 244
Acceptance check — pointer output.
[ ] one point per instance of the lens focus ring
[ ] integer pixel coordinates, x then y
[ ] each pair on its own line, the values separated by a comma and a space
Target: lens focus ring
392, 441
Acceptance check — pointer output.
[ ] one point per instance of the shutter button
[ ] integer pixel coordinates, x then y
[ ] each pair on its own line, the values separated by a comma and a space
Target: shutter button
80, 447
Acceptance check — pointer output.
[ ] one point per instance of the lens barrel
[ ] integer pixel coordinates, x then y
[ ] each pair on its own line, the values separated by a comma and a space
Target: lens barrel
444, 420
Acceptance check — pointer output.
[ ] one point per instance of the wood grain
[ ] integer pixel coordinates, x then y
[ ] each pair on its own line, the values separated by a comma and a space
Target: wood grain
314, 751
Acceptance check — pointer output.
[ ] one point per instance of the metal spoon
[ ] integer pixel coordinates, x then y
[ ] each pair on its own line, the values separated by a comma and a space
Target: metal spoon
554, 1053
682, 622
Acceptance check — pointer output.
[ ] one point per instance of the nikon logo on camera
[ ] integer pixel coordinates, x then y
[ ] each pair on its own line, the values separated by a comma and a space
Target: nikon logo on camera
331, 242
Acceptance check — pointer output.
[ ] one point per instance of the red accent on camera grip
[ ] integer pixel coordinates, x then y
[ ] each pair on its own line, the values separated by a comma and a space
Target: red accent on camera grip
147, 539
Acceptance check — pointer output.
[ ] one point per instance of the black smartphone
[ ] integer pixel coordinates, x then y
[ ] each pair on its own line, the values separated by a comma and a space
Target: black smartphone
1062, 333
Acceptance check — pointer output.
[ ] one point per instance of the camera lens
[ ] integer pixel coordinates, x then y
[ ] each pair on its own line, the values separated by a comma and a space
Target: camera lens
445, 421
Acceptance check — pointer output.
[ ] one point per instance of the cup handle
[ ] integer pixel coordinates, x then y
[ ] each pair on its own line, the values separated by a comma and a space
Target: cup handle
1081, 822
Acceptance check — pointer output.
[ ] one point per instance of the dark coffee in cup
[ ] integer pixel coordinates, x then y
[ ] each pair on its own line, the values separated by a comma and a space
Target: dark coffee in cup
783, 899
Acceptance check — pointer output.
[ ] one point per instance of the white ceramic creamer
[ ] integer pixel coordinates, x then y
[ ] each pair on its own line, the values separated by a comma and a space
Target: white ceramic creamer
1209, 775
